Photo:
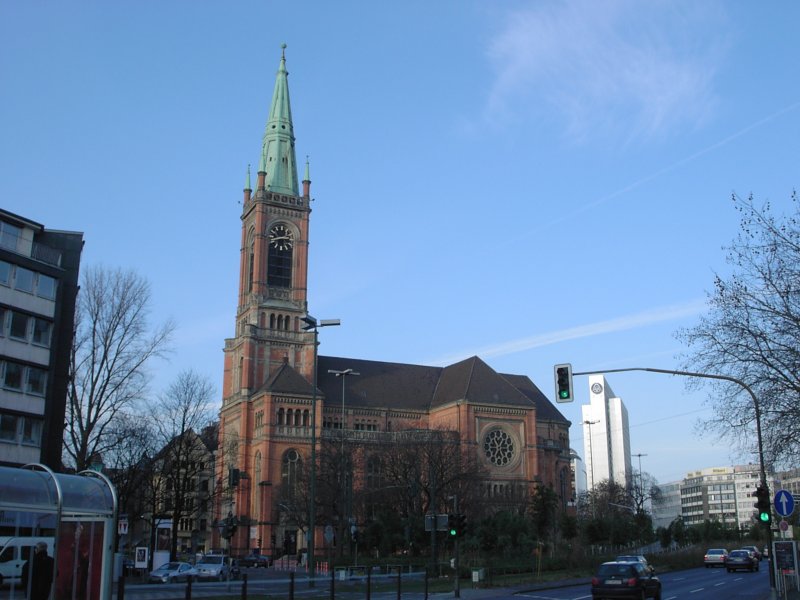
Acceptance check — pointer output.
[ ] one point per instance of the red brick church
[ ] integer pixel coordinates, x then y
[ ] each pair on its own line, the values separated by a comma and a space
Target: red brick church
271, 409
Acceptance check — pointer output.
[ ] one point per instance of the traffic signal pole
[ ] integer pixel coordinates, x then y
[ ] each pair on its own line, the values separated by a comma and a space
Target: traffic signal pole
757, 407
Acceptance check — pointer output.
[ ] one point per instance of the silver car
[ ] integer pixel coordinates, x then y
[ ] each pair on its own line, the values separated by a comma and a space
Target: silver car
172, 572
213, 566
715, 557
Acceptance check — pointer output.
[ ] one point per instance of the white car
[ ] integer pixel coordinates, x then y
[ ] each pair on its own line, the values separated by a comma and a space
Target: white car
213, 566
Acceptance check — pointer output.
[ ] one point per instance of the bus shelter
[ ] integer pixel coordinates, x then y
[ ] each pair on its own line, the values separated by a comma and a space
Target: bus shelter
73, 515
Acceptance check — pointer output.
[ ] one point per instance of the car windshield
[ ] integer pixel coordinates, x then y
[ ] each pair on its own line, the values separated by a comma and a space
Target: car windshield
211, 560
739, 553
714, 551
168, 567
610, 570
629, 559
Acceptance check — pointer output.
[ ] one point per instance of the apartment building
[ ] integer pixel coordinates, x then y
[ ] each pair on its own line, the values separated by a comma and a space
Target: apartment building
38, 290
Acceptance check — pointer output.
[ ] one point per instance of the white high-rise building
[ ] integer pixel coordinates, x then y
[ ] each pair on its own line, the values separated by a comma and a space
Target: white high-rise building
606, 437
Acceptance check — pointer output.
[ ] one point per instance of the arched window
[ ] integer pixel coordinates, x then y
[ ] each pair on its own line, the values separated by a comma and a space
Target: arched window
373, 474
291, 466
257, 487
272, 321
279, 256
280, 416
306, 415
280, 322
297, 418
251, 259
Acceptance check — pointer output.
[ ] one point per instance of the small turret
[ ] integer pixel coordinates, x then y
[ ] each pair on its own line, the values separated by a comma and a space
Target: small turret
307, 182
248, 189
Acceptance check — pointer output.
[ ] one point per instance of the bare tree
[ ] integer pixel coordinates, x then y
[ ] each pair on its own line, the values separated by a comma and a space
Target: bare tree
112, 345
184, 411
752, 332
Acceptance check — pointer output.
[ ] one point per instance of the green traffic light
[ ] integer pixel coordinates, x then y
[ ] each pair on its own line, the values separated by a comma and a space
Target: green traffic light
453, 532
764, 517
563, 394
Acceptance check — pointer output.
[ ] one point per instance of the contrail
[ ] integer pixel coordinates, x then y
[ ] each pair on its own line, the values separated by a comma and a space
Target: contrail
641, 319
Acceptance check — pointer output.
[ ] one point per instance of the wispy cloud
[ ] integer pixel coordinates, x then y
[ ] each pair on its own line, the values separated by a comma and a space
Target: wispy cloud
641, 319
620, 67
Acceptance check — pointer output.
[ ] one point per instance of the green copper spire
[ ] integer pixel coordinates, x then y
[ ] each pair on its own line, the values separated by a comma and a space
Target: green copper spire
247, 185
277, 153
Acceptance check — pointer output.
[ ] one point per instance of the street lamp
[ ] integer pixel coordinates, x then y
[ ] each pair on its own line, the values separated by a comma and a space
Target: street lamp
343, 375
311, 324
591, 450
641, 478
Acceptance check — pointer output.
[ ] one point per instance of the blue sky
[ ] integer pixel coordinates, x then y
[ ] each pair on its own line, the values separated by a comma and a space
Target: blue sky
531, 182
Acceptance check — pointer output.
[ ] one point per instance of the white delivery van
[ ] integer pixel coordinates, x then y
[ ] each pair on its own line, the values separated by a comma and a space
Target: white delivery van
14, 552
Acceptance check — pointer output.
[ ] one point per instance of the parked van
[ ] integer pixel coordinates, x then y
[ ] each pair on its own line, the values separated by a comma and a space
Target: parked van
14, 552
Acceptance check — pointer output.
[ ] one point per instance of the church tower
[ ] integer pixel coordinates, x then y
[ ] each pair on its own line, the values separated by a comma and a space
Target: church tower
269, 361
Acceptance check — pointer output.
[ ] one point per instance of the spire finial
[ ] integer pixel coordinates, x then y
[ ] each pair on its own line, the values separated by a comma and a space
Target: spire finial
283, 50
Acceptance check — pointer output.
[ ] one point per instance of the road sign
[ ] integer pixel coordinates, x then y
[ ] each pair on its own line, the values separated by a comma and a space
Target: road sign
784, 503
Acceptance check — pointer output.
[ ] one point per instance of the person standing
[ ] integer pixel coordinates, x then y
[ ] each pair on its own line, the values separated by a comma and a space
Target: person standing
37, 573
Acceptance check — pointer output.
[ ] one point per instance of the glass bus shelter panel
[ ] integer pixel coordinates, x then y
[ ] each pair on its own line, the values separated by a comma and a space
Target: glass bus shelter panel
23, 487
26, 522
86, 495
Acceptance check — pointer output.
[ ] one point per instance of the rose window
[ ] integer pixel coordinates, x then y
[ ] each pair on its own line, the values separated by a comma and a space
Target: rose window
498, 447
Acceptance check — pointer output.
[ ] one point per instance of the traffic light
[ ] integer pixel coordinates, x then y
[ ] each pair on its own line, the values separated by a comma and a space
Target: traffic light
762, 503
452, 525
563, 377
461, 525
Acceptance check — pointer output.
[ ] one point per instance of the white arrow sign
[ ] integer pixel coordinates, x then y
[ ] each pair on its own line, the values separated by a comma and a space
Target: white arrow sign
784, 503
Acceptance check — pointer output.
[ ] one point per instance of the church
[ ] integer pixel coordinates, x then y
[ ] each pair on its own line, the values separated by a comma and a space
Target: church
289, 413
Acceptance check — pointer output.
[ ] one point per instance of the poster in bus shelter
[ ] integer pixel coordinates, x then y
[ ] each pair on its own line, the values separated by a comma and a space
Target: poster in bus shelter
80, 560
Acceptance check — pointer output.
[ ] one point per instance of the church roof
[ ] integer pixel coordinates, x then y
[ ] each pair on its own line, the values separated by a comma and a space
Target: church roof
285, 380
545, 410
417, 387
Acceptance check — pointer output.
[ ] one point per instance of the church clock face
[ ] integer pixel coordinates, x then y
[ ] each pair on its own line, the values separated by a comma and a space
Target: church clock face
280, 237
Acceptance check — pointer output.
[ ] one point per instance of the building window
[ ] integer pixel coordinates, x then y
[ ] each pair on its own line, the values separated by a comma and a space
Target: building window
10, 236
46, 287
18, 328
5, 272
23, 279
42, 331
12, 377
290, 469
499, 448
279, 258
31, 431
8, 427
37, 380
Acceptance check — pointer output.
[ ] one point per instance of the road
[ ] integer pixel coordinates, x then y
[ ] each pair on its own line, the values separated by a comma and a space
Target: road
692, 584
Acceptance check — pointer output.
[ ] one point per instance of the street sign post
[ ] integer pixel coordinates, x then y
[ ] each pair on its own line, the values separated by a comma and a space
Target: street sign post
784, 503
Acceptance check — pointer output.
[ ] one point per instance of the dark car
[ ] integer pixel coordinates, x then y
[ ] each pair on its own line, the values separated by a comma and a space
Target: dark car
625, 580
255, 560
741, 559
754, 550
635, 558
